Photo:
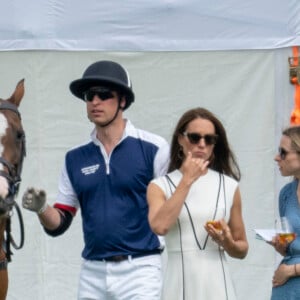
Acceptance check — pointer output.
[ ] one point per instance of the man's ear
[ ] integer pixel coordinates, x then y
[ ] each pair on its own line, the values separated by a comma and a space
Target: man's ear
123, 102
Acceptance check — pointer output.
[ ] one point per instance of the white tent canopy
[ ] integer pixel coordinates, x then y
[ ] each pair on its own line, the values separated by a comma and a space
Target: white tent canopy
228, 56
155, 25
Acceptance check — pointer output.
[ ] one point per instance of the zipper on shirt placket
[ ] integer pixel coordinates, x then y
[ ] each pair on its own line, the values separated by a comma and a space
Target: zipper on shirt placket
107, 157
107, 160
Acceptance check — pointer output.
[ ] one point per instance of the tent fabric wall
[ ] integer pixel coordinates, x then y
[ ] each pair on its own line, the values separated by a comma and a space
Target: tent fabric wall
248, 90
169, 25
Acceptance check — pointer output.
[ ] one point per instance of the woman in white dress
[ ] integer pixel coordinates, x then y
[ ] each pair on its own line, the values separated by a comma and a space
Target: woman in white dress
201, 186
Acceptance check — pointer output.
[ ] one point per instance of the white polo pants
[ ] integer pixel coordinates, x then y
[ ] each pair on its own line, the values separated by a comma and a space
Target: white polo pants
133, 279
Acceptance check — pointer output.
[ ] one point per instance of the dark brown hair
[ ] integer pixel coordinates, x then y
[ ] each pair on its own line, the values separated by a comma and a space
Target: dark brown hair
223, 158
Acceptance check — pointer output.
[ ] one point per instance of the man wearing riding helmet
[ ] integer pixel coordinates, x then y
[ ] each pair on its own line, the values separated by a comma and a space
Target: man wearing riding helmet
107, 178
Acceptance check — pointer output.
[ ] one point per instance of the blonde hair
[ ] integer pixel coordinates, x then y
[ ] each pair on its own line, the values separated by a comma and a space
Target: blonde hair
293, 133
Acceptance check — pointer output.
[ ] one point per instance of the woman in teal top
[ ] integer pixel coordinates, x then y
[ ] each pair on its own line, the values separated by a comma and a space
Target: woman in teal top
286, 279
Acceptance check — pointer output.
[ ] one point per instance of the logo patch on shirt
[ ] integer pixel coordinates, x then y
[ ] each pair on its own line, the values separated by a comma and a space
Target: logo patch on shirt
90, 169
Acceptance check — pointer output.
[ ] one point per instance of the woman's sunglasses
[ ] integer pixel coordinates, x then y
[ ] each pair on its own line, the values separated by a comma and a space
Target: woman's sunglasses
102, 93
283, 153
194, 138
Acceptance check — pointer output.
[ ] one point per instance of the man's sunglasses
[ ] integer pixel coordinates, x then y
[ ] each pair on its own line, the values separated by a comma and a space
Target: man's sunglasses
102, 93
194, 138
283, 153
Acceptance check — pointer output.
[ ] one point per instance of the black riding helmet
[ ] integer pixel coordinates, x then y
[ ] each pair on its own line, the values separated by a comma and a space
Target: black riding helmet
106, 73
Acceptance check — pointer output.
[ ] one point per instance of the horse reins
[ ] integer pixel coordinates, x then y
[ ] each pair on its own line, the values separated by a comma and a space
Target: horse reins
14, 178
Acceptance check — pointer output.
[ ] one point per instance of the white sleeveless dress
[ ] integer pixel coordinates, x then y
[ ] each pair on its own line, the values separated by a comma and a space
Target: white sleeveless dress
197, 268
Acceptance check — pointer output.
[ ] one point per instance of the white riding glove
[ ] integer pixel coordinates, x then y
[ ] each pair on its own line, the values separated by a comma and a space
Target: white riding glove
34, 200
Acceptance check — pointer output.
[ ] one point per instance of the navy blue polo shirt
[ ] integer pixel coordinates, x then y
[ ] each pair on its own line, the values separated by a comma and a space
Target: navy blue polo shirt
111, 192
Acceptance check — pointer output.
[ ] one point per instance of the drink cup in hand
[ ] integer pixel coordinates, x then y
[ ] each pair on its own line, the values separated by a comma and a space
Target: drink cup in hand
284, 230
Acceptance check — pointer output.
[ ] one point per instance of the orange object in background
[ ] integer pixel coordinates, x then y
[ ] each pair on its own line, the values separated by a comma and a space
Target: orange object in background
295, 79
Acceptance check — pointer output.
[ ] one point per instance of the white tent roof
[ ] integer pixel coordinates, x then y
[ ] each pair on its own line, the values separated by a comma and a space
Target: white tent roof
154, 25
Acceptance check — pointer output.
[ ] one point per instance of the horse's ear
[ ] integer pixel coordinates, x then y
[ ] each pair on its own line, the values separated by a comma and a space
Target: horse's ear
18, 94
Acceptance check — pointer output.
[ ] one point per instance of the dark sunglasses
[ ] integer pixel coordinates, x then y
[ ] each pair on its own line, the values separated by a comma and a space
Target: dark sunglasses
283, 153
102, 93
194, 138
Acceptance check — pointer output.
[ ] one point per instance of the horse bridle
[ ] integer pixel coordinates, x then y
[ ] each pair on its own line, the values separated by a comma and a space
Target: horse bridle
13, 176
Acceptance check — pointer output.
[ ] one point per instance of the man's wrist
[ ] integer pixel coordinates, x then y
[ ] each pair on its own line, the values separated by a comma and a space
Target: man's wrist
42, 209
